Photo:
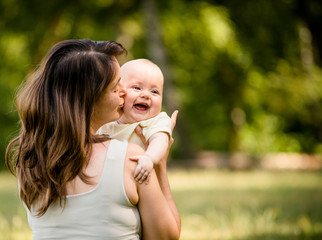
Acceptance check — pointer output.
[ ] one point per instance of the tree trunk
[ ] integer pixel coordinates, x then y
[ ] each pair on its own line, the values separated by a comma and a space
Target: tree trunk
308, 13
157, 53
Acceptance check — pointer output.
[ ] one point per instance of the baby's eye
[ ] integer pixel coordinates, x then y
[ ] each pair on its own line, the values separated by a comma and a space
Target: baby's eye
155, 91
136, 87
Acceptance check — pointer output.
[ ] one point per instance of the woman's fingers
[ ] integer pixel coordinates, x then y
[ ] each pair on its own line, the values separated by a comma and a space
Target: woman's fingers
174, 119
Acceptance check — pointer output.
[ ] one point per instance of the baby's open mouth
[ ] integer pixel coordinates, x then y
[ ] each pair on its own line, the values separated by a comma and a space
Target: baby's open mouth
141, 106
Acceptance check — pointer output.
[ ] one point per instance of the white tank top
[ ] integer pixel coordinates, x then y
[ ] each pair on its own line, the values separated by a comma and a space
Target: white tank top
104, 212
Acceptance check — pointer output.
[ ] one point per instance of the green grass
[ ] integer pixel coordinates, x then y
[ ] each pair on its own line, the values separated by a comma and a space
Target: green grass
249, 205
215, 204
13, 219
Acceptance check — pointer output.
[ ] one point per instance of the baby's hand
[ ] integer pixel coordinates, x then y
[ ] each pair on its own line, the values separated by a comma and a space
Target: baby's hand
142, 171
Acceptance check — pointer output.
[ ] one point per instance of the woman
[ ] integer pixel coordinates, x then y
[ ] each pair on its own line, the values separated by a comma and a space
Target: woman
74, 183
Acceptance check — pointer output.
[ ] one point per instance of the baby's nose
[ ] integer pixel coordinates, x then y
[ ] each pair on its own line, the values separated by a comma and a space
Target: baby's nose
145, 94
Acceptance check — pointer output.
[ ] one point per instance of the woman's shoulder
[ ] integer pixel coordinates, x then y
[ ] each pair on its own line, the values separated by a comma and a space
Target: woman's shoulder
130, 184
134, 149
131, 148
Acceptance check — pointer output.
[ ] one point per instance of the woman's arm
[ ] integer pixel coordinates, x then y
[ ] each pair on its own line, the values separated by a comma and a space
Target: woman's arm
161, 172
159, 214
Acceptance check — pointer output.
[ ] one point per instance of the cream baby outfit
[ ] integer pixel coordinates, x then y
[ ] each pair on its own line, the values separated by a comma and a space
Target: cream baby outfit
160, 123
104, 212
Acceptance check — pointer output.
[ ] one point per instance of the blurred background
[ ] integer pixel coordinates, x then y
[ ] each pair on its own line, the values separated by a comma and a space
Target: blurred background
245, 75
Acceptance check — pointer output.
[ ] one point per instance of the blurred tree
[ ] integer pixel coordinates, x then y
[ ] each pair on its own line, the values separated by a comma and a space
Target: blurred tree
277, 35
28, 29
158, 54
247, 74
309, 11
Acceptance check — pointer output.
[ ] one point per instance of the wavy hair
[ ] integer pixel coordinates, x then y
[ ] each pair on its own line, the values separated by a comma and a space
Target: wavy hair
55, 107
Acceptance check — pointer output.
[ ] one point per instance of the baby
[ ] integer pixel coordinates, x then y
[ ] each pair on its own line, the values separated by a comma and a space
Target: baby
143, 81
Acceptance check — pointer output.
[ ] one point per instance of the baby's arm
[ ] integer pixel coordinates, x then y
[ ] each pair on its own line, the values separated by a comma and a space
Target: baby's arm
157, 149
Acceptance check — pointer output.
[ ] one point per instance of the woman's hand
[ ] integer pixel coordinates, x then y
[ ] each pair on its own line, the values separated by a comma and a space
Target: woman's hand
139, 132
173, 124
174, 119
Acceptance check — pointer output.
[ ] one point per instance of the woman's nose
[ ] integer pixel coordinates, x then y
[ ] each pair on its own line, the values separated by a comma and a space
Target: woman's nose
122, 90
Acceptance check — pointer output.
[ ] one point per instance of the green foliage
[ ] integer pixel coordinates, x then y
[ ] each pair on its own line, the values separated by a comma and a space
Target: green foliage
246, 80
204, 47
285, 111
29, 29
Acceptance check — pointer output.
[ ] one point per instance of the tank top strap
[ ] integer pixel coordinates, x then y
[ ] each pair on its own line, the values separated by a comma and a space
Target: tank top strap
113, 171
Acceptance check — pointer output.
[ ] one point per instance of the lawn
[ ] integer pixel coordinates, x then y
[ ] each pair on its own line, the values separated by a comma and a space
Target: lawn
217, 204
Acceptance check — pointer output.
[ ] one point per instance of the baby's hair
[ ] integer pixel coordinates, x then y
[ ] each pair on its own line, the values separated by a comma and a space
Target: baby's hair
132, 63
144, 60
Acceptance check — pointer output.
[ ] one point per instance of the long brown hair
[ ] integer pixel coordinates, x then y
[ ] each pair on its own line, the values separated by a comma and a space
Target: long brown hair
55, 106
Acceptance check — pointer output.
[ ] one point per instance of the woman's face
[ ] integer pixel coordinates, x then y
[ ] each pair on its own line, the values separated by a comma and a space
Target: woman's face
110, 106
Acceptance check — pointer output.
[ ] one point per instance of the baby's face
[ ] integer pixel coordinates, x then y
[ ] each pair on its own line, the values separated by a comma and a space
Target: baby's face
143, 99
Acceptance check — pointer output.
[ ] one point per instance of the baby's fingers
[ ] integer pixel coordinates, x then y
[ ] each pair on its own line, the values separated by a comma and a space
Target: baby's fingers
148, 179
143, 174
134, 158
137, 171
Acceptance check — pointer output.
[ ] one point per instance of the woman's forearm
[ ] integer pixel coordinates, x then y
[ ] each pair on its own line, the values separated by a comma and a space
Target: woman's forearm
161, 172
159, 216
